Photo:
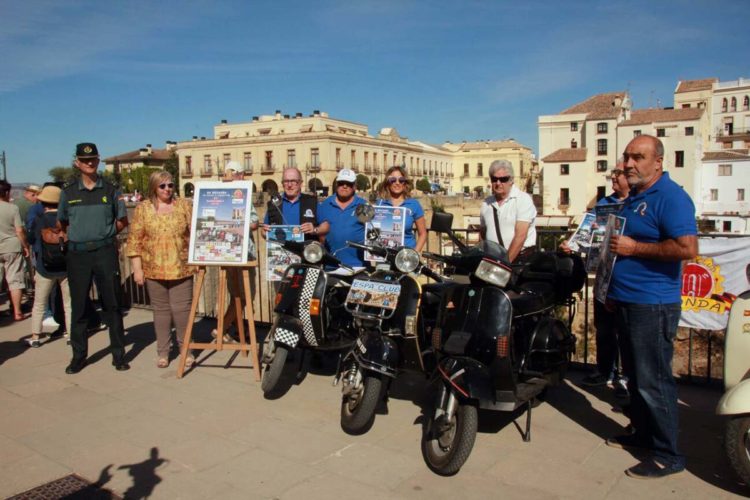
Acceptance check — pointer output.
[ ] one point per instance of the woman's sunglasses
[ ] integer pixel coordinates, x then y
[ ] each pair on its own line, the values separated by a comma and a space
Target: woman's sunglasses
394, 180
169, 185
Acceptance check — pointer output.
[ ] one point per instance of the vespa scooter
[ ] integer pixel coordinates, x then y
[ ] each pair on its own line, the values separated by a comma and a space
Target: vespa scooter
498, 343
736, 400
309, 310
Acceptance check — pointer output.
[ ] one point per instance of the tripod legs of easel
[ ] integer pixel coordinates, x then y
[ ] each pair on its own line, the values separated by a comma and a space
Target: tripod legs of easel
228, 314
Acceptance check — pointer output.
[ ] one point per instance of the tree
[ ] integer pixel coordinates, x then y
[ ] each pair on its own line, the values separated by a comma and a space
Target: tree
424, 185
362, 182
137, 179
172, 165
63, 174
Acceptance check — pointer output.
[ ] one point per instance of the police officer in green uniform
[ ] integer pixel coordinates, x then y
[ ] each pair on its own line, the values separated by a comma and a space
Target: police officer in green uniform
91, 209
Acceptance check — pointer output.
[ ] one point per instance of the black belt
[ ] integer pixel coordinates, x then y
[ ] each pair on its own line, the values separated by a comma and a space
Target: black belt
90, 246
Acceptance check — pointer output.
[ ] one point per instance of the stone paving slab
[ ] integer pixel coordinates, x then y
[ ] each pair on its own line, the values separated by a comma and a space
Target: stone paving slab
212, 434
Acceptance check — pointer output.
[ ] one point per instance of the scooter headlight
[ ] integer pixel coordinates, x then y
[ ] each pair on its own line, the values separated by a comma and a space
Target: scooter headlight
407, 260
313, 252
493, 272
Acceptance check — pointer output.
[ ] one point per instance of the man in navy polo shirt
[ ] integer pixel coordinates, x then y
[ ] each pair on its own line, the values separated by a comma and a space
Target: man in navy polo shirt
660, 232
338, 222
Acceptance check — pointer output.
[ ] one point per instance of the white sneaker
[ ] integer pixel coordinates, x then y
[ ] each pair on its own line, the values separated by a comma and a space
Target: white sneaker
50, 323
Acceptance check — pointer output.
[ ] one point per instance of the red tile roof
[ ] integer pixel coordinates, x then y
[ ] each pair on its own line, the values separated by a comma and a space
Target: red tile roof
643, 116
156, 154
693, 85
727, 154
566, 154
600, 106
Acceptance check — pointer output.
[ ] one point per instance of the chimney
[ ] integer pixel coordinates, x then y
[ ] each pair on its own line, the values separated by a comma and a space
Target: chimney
286, 117
298, 115
255, 118
223, 122
316, 112
195, 137
143, 152
278, 114
149, 149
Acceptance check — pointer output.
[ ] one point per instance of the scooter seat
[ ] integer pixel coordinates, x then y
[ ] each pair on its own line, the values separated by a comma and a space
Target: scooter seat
532, 296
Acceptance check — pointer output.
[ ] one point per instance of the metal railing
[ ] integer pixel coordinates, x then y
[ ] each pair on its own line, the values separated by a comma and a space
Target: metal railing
698, 353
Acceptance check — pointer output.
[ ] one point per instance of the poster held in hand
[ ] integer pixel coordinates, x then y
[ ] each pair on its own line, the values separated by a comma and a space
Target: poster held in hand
386, 229
278, 258
615, 225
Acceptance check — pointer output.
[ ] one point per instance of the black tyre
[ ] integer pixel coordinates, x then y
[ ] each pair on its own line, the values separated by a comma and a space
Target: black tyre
446, 445
272, 370
358, 409
737, 446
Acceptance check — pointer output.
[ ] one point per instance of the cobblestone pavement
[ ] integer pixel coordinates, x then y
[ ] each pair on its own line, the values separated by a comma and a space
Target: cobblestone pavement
213, 435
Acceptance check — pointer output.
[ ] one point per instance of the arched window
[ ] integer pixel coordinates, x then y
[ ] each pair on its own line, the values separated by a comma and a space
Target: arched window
746, 103
733, 107
724, 104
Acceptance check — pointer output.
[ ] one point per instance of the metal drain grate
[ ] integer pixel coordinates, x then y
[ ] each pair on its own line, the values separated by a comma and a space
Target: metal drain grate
71, 487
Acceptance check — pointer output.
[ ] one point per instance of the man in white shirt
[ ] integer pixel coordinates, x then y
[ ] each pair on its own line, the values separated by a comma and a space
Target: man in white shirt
507, 216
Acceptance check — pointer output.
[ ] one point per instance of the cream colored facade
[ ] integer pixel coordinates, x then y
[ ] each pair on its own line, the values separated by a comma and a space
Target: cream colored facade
319, 146
472, 160
577, 150
731, 114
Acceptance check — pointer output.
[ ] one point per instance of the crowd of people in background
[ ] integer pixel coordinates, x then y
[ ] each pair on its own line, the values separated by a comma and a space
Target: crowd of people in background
639, 318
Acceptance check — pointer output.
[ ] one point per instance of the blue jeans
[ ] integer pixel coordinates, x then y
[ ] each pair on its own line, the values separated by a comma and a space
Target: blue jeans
648, 332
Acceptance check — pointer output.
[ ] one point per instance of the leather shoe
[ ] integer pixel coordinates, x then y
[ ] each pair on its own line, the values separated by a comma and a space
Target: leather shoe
122, 366
651, 469
75, 366
626, 442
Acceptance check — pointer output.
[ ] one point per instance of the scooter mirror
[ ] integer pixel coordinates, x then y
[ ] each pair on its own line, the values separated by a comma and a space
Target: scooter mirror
442, 222
364, 213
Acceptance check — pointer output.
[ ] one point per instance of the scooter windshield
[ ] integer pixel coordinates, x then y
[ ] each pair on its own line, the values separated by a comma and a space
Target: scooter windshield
494, 251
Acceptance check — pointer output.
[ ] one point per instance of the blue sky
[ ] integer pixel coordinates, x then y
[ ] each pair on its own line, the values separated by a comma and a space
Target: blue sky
127, 73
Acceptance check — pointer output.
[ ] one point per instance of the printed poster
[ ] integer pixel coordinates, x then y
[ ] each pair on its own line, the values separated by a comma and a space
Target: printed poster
615, 225
278, 258
581, 239
220, 223
598, 230
386, 229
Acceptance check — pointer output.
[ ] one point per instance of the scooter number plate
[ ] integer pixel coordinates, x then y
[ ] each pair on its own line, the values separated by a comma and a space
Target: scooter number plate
374, 294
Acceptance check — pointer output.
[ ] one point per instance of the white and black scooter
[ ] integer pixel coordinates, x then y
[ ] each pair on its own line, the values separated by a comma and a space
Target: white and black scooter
736, 400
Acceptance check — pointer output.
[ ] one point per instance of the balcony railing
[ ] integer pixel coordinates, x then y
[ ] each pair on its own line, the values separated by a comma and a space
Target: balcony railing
315, 167
355, 167
268, 168
207, 172
188, 172
339, 165
732, 134
368, 169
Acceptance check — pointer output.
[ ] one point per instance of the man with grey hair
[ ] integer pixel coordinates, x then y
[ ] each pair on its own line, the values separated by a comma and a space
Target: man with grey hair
507, 216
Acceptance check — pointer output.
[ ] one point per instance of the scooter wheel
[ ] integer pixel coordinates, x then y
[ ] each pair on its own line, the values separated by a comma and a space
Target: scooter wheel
737, 446
358, 408
272, 370
446, 445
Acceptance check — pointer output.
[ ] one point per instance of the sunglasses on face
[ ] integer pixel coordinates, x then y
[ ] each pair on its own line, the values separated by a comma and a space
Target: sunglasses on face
345, 184
169, 185
88, 161
502, 179
394, 180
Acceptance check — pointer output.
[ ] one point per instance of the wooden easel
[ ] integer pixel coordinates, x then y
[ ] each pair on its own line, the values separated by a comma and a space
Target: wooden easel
233, 310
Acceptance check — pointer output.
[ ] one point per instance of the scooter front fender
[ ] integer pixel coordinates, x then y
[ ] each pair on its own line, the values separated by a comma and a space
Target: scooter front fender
470, 378
735, 401
377, 353
287, 330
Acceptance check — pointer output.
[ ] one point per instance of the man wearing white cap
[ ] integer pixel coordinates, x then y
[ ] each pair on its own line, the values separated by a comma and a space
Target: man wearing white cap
339, 223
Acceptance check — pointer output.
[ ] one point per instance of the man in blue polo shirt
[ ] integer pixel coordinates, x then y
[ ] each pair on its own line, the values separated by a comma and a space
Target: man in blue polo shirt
293, 207
338, 222
660, 232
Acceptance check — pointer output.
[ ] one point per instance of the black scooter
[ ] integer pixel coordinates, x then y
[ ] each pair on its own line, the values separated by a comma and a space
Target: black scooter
309, 310
498, 343
392, 314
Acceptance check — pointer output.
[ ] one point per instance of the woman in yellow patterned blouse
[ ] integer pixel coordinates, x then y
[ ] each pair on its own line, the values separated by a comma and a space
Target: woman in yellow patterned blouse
158, 249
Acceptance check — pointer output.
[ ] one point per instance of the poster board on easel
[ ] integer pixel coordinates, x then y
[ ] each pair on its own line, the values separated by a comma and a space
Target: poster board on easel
220, 223
220, 237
